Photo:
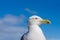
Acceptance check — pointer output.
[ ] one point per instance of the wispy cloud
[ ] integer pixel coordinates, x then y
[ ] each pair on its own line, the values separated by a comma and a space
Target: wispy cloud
9, 32
10, 19
30, 11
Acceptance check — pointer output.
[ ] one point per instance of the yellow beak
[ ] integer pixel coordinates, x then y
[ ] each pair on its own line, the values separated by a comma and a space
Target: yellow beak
45, 21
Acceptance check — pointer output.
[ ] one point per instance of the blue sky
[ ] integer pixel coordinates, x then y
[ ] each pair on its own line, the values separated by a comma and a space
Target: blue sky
15, 13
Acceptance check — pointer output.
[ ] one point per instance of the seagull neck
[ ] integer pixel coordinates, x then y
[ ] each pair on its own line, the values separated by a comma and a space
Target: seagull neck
33, 28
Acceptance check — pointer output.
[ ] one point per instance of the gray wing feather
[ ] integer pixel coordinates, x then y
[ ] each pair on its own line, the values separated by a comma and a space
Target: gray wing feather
22, 38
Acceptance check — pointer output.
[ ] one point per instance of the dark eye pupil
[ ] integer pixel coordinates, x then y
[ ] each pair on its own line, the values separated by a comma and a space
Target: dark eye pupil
36, 18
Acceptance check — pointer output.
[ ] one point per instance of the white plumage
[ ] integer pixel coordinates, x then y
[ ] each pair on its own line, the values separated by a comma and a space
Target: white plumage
34, 31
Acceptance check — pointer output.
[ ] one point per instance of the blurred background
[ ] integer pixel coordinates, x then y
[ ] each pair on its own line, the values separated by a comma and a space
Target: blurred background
15, 13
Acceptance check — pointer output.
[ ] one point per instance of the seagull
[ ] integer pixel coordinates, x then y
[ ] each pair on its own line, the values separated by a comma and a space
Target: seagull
34, 31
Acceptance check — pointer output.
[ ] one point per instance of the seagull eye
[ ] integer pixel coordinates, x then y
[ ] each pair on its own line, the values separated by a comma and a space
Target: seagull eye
36, 18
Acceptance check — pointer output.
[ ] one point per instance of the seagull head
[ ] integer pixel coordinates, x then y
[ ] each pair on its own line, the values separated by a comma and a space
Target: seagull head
36, 20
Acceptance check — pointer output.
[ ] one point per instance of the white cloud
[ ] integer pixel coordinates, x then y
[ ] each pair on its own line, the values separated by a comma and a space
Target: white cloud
1, 22
30, 11
10, 19
9, 32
